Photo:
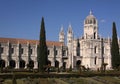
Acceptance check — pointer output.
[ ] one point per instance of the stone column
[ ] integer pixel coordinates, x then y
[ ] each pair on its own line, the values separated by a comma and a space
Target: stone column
35, 64
53, 63
26, 62
60, 62
6, 63
17, 65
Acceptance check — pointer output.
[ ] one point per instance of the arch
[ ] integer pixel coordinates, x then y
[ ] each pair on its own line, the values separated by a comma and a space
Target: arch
94, 21
64, 65
86, 21
49, 62
78, 62
22, 64
56, 63
2, 63
90, 21
12, 63
31, 64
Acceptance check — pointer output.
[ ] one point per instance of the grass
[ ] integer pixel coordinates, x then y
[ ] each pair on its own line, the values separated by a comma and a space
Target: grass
112, 80
109, 77
81, 80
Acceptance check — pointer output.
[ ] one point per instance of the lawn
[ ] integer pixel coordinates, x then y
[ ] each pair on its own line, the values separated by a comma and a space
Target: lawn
80, 80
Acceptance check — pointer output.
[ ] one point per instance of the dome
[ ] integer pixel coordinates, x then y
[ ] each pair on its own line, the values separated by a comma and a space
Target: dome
90, 19
90, 16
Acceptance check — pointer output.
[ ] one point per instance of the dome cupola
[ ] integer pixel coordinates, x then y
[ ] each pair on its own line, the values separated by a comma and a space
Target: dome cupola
90, 19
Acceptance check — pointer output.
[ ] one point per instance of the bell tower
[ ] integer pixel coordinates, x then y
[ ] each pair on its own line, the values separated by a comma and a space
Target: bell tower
90, 27
70, 46
69, 36
61, 35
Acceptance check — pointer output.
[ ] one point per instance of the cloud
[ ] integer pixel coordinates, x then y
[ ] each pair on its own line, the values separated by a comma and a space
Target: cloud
103, 21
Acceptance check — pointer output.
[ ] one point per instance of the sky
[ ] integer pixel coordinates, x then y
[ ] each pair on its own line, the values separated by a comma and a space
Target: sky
22, 18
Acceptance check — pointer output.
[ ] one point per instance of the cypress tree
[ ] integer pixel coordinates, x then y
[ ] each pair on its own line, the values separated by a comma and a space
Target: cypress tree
42, 48
115, 48
14, 79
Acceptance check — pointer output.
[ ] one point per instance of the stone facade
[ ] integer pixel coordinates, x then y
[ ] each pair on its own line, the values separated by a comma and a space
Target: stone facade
17, 53
90, 50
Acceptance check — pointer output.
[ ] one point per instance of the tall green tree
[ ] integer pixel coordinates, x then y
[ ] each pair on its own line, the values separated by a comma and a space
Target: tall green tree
42, 48
115, 48
14, 79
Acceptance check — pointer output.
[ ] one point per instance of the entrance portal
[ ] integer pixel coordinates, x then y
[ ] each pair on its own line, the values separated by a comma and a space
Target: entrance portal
78, 63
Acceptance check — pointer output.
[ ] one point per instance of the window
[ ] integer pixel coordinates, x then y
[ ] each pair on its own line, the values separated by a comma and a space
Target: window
69, 41
78, 44
1, 50
94, 21
22, 50
86, 35
94, 35
63, 53
12, 50
103, 49
95, 60
86, 22
48, 52
90, 21
31, 51
95, 49
94, 28
78, 53
56, 52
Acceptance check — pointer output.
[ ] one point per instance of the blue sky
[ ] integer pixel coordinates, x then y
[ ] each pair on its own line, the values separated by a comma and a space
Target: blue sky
22, 18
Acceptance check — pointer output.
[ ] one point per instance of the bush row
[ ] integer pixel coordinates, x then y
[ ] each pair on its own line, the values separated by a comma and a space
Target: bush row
45, 75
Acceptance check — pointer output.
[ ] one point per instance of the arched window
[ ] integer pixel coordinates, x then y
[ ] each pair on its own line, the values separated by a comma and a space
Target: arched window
48, 52
103, 50
90, 21
94, 21
94, 35
94, 28
85, 21
2, 63
78, 48
56, 63
95, 49
22, 64
95, 60
86, 35
64, 65
12, 63
78, 63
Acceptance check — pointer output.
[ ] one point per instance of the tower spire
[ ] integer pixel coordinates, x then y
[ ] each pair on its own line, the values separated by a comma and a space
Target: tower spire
61, 35
70, 28
62, 28
90, 12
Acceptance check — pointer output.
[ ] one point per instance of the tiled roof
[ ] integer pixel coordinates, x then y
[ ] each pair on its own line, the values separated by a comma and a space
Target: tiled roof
25, 41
